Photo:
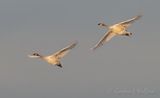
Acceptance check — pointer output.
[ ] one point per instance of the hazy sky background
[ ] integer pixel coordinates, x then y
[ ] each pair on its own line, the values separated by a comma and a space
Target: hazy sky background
123, 68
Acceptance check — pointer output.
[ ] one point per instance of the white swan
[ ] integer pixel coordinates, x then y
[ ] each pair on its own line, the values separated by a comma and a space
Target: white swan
54, 59
116, 29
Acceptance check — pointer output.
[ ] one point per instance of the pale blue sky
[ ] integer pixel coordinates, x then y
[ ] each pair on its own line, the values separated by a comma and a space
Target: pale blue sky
46, 26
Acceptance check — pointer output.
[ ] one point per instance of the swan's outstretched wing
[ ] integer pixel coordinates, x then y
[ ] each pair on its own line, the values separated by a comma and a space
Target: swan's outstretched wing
64, 51
127, 22
104, 39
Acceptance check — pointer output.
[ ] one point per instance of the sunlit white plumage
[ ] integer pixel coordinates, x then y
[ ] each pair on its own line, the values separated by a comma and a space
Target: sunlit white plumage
114, 30
54, 59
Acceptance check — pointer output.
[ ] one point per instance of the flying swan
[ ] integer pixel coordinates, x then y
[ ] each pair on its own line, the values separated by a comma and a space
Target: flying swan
115, 30
54, 59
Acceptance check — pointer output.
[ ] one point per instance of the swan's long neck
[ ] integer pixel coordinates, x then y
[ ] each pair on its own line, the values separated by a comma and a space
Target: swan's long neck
40, 56
106, 26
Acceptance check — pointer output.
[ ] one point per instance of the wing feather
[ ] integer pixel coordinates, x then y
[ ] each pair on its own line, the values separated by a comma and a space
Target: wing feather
61, 53
104, 39
127, 22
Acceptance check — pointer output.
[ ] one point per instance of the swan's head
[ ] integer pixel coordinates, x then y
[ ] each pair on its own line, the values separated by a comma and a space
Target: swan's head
102, 25
34, 55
